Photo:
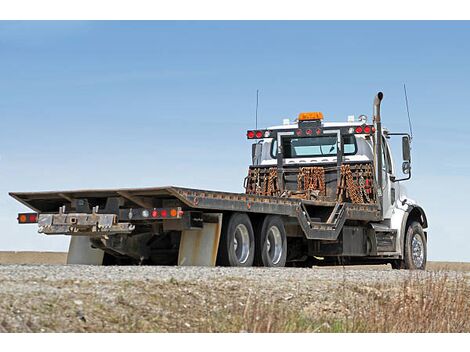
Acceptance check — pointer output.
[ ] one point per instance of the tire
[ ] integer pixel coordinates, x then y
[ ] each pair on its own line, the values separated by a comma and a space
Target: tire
271, 243
415, 251
237, 242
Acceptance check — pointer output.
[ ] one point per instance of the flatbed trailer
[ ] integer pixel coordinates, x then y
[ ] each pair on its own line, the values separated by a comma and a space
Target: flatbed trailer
293, 211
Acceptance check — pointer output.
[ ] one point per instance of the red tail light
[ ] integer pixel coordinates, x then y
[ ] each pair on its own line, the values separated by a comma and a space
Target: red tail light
359, 129
154, 214
27, 218
164, 213
298, 132
250, 134
309, 132
367, 129
259, 134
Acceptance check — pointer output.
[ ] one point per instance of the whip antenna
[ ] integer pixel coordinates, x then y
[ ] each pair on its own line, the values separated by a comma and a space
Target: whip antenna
256, 114
408, 111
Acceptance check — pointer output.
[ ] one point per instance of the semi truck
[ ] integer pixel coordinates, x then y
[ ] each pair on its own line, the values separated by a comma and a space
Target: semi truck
316, 193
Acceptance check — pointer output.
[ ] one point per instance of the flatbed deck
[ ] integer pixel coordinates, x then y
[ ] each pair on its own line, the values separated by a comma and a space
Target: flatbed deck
50, 201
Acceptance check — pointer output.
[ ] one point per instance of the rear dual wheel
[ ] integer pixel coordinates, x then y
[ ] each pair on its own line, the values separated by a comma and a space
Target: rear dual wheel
240, 246
271, 243
237, 241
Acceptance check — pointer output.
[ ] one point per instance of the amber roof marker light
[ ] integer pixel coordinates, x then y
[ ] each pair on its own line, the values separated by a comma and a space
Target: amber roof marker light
310, 116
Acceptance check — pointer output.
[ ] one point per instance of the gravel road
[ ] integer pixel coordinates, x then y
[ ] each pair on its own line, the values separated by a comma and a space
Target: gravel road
91, 298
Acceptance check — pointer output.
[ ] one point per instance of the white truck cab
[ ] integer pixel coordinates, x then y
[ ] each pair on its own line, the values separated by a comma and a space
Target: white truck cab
399, 212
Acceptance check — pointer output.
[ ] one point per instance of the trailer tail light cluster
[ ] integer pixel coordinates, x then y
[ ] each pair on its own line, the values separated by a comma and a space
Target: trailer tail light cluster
158, 213
367, 129
27, 218
258, 134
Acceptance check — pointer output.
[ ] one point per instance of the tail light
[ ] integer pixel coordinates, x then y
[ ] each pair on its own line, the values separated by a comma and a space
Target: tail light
367, 129
258, 134
27, 218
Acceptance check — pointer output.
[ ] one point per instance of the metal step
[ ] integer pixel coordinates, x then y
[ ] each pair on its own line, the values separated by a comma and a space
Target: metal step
323, 230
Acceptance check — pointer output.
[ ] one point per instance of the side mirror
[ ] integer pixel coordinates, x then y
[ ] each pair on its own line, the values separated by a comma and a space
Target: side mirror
406, 167
406, 150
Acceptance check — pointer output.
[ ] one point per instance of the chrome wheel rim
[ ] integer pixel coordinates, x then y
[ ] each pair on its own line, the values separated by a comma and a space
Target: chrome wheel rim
274, 244
241, 243
417, 248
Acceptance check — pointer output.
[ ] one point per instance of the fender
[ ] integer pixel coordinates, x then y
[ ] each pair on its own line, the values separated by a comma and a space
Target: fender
413, 212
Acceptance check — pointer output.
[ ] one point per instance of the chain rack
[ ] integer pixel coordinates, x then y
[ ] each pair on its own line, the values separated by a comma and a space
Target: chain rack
356, 184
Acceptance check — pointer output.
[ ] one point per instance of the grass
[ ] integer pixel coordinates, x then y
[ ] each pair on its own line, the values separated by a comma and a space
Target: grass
437, 302
433, 304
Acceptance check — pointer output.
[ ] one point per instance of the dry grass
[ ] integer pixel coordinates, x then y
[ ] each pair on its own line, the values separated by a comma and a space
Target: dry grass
33, 257
439, 302
434, 304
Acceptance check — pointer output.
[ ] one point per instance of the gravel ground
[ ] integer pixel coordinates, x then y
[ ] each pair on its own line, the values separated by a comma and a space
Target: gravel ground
42, 298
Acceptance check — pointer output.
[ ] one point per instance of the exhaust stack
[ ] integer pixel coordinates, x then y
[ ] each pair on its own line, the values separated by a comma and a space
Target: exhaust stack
378, 128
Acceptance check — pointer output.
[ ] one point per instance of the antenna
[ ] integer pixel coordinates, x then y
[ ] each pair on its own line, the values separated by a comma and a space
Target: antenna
408, 111
256, 114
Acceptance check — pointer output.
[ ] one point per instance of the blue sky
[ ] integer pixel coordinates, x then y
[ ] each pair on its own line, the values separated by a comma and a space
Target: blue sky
131, 104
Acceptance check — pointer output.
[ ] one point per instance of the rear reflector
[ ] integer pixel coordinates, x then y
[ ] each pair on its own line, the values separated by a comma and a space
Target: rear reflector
27, 218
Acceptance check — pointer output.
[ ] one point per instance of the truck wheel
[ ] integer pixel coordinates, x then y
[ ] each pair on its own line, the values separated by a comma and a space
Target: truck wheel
415, 251
271, 243
237, 242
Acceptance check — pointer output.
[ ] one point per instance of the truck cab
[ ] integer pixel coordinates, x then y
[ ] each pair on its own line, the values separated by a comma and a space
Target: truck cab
309, 142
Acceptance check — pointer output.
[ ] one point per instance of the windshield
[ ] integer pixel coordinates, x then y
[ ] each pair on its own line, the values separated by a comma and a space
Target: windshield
314, 146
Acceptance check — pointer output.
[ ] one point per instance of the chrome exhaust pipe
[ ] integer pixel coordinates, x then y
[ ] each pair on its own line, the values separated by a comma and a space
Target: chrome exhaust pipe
378, 137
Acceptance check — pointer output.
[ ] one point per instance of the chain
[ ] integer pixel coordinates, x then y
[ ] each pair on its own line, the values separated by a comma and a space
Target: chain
357, 187
311, 179
262, 182
348, 185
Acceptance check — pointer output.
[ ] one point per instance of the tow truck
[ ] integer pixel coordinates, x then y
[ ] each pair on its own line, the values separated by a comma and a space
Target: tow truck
316, 193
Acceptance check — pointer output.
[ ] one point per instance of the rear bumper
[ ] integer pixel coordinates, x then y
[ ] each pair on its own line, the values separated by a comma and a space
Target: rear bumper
82, 224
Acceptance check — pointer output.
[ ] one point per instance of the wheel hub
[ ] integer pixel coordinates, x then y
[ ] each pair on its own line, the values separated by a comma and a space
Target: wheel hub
241, 243
274, 244
417, 248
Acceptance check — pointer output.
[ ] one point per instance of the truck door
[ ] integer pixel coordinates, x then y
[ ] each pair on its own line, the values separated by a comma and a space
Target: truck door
389, 191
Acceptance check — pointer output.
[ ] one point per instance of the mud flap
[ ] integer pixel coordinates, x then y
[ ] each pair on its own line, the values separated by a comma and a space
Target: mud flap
199, 247
80, 252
